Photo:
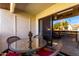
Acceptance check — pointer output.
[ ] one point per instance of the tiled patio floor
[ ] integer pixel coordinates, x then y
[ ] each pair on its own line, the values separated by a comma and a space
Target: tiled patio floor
69, 46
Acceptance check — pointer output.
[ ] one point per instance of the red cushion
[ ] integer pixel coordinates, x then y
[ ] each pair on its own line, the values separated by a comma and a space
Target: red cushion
11, 53
44, 52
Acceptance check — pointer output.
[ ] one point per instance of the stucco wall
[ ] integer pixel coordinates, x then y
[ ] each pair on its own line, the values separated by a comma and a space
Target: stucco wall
7, 26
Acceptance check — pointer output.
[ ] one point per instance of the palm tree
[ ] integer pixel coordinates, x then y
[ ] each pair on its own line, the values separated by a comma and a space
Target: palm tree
63, 24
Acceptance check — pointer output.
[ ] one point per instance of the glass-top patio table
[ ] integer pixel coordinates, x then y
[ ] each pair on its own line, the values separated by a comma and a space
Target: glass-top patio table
23, 45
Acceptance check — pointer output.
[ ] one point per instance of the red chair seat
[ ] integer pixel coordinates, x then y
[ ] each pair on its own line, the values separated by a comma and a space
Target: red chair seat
11, 53
44, 52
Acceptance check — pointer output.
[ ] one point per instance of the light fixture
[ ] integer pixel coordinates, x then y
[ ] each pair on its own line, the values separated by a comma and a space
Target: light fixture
55, 17
64, 11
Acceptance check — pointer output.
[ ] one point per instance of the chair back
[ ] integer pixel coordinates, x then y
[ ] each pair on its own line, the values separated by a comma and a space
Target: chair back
12, 39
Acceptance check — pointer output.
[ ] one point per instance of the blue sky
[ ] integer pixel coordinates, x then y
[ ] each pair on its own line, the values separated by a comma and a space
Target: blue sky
71, 20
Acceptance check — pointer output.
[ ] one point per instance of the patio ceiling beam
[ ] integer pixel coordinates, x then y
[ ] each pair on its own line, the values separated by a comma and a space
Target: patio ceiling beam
12, 7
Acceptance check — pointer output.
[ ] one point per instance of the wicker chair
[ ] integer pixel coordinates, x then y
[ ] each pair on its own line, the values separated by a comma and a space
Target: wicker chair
12, 39
57, 48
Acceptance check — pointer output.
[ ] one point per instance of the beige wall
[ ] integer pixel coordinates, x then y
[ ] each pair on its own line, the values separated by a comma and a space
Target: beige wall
33, 29
6, 29
33, 24
7, 26
0, 33
23, 23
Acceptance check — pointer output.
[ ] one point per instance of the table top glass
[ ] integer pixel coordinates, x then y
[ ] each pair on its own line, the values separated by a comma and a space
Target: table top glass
23, 45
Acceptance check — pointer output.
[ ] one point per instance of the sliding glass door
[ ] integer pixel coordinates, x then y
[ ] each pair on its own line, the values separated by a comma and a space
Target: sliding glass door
45, 29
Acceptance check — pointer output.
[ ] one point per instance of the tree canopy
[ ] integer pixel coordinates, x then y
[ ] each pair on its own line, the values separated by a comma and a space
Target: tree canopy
63, 23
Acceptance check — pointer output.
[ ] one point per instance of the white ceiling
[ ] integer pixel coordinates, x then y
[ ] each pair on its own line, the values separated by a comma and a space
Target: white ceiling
32, 8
